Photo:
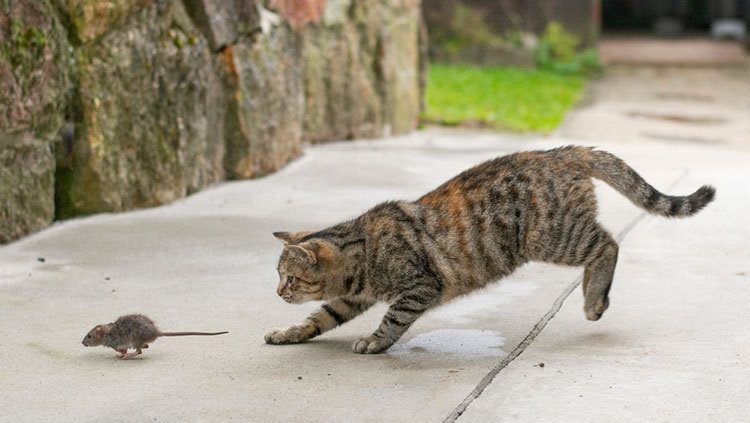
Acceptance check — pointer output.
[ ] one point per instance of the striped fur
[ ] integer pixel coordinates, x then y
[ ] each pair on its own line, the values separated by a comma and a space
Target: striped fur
473, 230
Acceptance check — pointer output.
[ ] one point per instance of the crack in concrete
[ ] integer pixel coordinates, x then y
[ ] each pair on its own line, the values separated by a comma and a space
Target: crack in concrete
541, 324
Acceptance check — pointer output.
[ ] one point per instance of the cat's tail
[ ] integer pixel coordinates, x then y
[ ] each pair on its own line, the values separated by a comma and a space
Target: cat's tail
616, 173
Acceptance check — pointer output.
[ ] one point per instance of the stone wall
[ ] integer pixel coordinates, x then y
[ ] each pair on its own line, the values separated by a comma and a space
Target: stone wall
111, 105
35, 82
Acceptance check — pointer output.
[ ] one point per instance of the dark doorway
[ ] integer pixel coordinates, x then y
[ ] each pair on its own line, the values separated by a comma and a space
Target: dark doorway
683, 16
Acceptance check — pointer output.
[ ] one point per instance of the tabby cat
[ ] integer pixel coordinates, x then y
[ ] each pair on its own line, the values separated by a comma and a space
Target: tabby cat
472, 230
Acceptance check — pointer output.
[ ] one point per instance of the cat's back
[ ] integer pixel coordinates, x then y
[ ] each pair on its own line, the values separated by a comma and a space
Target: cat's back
528, 170
494, 217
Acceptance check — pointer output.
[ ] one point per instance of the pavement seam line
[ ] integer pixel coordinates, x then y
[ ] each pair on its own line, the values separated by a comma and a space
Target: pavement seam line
542, 323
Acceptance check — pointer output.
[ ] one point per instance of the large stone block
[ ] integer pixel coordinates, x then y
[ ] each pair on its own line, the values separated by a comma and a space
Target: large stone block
263, 124
342, 98
362, 70
151, 109
35, 79
224, 21
27, 168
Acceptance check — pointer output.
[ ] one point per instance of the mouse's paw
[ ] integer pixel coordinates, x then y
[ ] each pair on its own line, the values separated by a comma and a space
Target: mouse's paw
371, 345
290, 335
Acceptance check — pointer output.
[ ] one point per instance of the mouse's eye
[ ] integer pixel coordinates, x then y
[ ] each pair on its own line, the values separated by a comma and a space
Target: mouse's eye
88, 336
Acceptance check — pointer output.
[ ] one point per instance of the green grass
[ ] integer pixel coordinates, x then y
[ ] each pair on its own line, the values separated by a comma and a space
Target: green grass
504, 98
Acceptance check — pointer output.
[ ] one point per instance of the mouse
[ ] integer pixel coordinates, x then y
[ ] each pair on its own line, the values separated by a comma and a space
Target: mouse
132, 331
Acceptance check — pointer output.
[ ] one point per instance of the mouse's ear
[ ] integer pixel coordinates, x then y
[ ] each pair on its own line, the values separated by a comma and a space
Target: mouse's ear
98, 329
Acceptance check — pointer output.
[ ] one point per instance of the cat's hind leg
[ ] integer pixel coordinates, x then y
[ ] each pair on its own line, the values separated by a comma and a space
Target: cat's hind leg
601, 261
327, 317
582, 241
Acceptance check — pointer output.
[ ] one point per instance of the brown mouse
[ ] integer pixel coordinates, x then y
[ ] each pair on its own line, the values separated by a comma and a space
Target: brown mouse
130, 331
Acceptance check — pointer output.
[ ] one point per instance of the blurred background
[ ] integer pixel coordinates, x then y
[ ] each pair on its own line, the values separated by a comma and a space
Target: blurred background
112, 105
566, 40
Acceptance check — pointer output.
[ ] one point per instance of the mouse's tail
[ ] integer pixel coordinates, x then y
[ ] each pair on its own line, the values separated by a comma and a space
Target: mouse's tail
191, 333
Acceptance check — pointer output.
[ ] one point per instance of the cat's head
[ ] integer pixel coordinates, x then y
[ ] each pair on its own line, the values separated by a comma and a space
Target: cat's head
306, 268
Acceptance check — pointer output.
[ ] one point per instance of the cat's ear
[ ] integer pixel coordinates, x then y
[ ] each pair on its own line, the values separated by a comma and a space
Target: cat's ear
284, 237
302, 254
291, 237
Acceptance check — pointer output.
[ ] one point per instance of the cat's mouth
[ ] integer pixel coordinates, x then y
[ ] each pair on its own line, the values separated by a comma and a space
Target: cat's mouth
297, 299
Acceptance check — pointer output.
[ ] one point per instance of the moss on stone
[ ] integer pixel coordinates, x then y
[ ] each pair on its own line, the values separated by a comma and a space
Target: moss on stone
91, 19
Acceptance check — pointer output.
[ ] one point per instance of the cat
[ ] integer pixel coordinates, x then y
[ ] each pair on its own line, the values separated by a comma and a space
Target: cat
473, 230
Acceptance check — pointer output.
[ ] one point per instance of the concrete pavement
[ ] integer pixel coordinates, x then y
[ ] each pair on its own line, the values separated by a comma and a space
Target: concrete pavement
673, 346
675, 105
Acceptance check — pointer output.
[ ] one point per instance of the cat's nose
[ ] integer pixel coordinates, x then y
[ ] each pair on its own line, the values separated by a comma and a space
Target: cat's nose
280, 290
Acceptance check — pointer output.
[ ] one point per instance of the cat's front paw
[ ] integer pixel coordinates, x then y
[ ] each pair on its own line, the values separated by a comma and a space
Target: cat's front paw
371, 345
290, 335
